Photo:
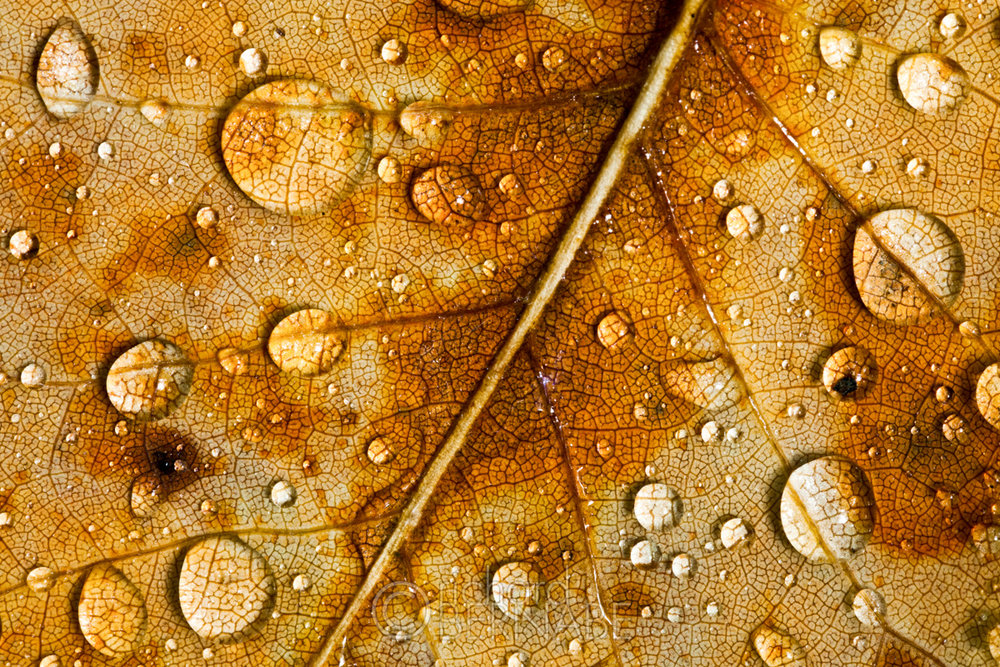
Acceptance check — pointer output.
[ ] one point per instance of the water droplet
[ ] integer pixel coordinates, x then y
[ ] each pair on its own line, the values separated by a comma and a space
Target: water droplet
744, 222
400, 282
675, 614
657, 507
826, 509
41, 579
33, 375
681, 565
50, 661
105, 150
869, 607
206, 217
282, 493
393, 52
734, 532
849, 373
722, 191
253, 62
711, 385
777, 649
605, 449
23, 244
932, 83
988, 394
839, 47
612, 330
449, 194
295, 146
952, 26
575, 647
969, 329
239, 29
305, 342
932, 270
379, 452
225, 588
389, 170
146, 492
516, 660
710, 432
955, 429
149, 380
155, 111
66, 77
111, 612
916, 168
993, 639
553, 58
515, 588
644, 554
301, 583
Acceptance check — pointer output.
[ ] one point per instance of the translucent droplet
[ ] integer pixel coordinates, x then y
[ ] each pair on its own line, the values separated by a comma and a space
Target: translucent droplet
155, 111
66, 77
206, 217
988, 394
41, 579
449, 194
952, 26
869, 607
613, 330
295, 146
826, 509
105, 150
711, 385
301, 583
744, 222
722, 191
553, 58
282, 493
932, 83
379, 452
144, 495
305, 342
393, 52
849, 373
931, 265
475, 9
239, 29
23, 244
389, 170
839, 47
644, 554
33, 375
51, 660
657, 507
710, 432
515, 588
426, 122
916, 168
776, 648
681, 565
253, 62
734, 532
225, 588
149, 380
955, 429
111, 612
993, 640
675, 614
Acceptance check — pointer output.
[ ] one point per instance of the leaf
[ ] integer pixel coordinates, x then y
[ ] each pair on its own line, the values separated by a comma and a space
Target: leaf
496, 332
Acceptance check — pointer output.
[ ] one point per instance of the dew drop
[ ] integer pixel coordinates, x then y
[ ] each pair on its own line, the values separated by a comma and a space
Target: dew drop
932, 83
849, 373
295, 146
379, 452
51, 660
734, 532
869, 607
301, 583
23, 244
225, 588
986, 540
426, 122
916, 168
206, 217
111, 612
988, 394
722, 191
553, 58
613, 330
149, 380
744, 222
239, 29
282, 493
393, 52
955, 429
657, 507
952, 26
33, 375
66, 77
993, 640
932, 265
675, 614
681, 565
644, 554
155, 111
449, 194
105, 150
253, 62
710, 432
605, 449
826, 509
41, 579
389, 170
839, 47
776, 648
305, 342
515, 588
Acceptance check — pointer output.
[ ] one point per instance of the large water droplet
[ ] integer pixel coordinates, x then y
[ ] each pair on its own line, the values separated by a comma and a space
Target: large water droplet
849, 372
869, 607
839, 47
776, 648
657, 507
111, 612
826, 509
305, 342
426, 122
149, 380
932, 83
40, 579
66, 77
225, 588
905, 263
516, 588
711, 385
295, 146
485, 9
988, 394
449, 194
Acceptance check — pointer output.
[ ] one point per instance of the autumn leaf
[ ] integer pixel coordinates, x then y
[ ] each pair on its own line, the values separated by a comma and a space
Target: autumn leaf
499, 332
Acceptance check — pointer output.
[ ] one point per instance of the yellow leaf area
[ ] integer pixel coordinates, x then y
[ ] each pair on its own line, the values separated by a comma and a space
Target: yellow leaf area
512, 332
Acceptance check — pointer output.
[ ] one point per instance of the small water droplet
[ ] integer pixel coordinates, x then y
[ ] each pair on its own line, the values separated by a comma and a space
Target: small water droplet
682, 565
301, 582
515, 588
839, 47
612, 330
305, 342
282, 493
23, 244
239, 29
869, 607
988, 394
644, 554
379, 452
206, 217
657, 507
33, 375
734, 532
553, 58
253, 62
952, 26
425, 121
931, 83
389, 170
449, 194
41, 579
776, 648
105, 150
955, 429
393, 52
916, 168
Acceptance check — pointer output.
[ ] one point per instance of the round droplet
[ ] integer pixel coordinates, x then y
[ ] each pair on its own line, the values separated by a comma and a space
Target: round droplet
905, 263
916, 167
225, 588
66, 76
955, 429
145, 494
993, 639
389, 170
675, 614
722, 191
516, 588
869, 607
149, 380
282, 493
23, 244
41, 579
744, 222
839, 47
253, 62
612, 330
826, 509
734, 532
657, 507
50, 661
155, 111
306, 342
233, 360
425, 122
644, 554
206, 217
295, 146
105, 150
33, 375
986, 540
449, 194
681, 565
301, 583
932, 83
849, 372
553, 58
379, 452
711, 432
393, 52
988, 394
111, 612
952, 26
776, 648
485, 9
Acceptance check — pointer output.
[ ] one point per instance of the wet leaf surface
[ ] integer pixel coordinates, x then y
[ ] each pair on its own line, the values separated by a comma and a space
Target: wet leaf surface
499, 333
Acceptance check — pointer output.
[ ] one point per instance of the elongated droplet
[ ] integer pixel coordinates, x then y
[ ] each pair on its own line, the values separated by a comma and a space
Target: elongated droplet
111, 612
988, 394
66, 77
515, 588
839, 47
711, 385
932, 83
